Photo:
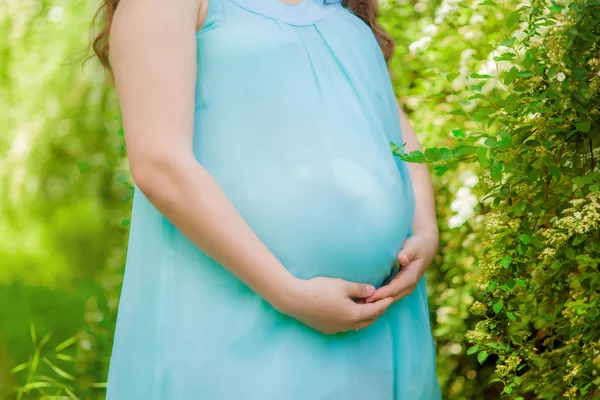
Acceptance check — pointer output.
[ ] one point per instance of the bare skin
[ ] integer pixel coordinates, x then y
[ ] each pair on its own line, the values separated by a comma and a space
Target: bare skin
153, 53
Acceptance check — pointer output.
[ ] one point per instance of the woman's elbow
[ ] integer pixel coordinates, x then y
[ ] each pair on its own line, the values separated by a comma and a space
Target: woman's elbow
155, 175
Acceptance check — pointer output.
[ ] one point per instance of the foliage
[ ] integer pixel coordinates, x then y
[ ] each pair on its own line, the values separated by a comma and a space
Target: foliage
62, 197
536, 138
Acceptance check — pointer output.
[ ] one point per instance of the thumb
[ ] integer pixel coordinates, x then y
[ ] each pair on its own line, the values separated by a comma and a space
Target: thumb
359, 290
405, 256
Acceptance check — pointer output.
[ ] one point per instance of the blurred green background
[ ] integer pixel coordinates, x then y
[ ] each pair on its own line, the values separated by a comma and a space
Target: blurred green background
65, 189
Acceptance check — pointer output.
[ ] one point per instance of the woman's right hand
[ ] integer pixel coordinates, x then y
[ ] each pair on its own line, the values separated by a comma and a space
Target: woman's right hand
331, 305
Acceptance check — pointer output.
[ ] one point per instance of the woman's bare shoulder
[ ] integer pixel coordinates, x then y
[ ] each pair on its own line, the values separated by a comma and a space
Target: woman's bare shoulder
202, 12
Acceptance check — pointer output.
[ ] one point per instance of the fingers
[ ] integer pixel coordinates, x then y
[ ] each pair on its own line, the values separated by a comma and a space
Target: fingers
363, 324
359, 290
368, 311
404, 282
405, 256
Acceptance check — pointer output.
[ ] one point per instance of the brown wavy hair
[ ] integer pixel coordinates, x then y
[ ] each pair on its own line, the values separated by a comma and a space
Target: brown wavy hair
366, 10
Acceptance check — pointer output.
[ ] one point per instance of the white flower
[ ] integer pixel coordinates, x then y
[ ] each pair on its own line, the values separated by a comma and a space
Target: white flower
560, 76
476, 19
430, 29
468, 178
444, 9
536, 41
470, 34
56, 13
488, 67
464, 206
85, 345
420, 44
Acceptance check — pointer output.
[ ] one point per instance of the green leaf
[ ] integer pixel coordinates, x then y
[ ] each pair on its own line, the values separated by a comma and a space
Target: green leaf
433, 154
511, 75
507, 43
483, 112
517, 379
521, 282
473, 350
511, 316
23, 366
506, 261
416, 155
452, 76
482, 356
555, 171
479, 76
458, 133
524, 238
513, 18
496, 172
488, 3
520, 207
65, 344
537, 243
84, 167
583, 126
528, 60
504, 57
498, 306
555, 8
578, 240
482, 157
585, 388
58, 371
526, 74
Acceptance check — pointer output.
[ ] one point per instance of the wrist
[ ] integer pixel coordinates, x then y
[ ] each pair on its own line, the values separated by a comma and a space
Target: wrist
285, 293
431, 233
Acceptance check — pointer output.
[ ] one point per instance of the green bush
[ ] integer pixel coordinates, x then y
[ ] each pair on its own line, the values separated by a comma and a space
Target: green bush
534, 132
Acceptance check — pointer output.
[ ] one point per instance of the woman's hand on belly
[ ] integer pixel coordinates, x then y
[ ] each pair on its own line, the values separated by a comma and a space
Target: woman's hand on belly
332, 305
417, 253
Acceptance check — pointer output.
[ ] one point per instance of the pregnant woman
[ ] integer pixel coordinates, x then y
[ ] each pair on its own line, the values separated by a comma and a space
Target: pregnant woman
270, 218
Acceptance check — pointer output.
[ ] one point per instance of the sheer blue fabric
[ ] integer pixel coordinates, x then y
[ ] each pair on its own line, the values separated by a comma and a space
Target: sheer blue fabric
294, 115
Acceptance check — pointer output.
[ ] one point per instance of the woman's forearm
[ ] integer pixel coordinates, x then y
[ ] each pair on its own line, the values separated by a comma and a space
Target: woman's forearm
425, 221
184, 192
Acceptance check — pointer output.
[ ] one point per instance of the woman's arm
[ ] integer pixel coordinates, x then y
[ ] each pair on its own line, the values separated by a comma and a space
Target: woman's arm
425, 221
153, 53
421, 247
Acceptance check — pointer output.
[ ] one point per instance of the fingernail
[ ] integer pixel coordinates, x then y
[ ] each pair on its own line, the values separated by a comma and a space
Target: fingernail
370, 289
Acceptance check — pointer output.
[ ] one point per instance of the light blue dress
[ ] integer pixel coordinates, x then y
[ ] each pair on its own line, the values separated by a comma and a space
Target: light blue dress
294, 117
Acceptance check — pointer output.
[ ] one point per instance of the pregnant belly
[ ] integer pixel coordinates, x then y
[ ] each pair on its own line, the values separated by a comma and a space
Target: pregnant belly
339, 217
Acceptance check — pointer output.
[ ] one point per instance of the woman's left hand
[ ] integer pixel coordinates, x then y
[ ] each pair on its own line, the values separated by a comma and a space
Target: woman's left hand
417, 253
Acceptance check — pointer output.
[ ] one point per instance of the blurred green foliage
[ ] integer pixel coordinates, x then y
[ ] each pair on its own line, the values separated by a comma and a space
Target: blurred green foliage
504, 97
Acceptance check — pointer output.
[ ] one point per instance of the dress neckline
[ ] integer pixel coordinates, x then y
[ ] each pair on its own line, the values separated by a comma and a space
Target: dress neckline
302, 13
